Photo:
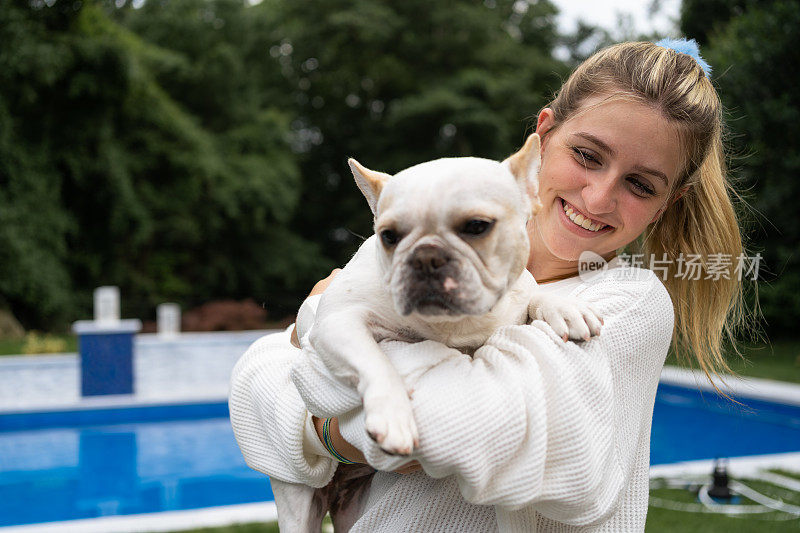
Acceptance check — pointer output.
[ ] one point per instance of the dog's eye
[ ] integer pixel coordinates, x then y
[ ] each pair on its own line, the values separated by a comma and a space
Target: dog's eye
476, 227
389, 237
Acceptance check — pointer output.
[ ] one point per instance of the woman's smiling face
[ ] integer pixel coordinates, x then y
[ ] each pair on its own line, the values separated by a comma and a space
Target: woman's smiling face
606, 174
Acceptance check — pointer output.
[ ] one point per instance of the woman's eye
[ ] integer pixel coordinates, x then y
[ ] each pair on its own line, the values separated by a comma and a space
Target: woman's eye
389, 237
585, 157
640, 188
476, 227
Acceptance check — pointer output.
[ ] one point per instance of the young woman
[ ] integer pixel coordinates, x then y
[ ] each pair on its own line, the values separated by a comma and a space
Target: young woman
534, 434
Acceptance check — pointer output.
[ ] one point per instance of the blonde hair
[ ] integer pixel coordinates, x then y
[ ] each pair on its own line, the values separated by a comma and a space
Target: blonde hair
703, 221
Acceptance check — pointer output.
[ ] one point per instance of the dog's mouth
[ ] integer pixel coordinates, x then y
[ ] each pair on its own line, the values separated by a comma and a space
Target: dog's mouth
443, 288
430, 303
433, 307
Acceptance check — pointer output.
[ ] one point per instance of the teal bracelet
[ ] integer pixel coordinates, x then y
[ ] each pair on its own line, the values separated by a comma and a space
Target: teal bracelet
326, 440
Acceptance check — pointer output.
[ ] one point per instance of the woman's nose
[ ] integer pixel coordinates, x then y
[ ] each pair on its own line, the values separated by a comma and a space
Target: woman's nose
599, 195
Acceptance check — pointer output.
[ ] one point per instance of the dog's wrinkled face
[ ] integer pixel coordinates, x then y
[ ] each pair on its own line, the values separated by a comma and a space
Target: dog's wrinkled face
452, 231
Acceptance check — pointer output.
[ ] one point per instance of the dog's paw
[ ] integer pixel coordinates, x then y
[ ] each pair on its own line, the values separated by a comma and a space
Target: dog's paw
390, 422
570, 318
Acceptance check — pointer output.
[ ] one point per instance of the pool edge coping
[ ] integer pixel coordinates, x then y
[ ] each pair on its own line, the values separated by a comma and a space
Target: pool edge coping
164, 521
747, 387
120, 401
737, 466
755, 388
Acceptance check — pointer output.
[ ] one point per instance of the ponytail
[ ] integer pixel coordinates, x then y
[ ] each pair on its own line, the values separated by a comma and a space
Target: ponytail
703, 225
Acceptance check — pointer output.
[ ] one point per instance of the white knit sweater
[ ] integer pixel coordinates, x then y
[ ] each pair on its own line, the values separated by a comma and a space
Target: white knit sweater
531, 434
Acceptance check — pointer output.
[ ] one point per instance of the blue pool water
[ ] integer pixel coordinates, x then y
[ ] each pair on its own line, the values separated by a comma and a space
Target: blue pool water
151, 459
689, 424
90, 463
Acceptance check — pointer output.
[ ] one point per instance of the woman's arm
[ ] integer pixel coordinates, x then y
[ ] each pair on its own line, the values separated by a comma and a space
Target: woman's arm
531, 420
275, 431
318, 288
269, 418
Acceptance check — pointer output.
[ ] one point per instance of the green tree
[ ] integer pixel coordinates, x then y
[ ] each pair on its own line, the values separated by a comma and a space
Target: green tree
111, 175
190, 150
397, 83
33, 223
752, 46
700, 19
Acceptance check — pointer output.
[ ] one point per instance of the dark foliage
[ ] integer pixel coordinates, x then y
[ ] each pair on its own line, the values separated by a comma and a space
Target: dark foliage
753, 47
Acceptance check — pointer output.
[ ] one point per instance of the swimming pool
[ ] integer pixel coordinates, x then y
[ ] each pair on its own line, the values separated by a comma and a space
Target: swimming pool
85, 463
75, 464
690, 424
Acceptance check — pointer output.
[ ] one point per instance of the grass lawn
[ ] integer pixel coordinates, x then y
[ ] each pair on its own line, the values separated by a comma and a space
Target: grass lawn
660, 520
667, 520
39, 343
241, 528
779, 360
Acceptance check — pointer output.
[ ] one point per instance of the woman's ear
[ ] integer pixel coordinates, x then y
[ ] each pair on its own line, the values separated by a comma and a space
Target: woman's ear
658, 214
544, 123
677, 196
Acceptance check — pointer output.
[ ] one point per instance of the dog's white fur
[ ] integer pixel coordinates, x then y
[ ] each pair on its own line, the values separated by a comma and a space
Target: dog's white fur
438, 282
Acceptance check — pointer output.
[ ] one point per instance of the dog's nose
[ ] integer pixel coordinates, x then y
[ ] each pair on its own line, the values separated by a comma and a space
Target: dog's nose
429, 258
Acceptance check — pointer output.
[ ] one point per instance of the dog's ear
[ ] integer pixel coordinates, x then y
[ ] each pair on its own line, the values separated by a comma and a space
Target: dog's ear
369, 181
524, 165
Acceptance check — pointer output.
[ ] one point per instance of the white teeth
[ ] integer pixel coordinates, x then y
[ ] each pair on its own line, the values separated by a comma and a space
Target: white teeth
580, 220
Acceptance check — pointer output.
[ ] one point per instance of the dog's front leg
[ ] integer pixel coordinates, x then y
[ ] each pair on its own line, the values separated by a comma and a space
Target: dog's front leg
346, 345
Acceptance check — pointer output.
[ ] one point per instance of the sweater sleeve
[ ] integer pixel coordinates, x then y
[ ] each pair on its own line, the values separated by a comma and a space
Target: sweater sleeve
269, 418
533, 421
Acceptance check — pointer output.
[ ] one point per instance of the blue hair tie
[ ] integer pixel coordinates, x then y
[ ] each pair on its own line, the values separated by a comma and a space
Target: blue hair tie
688, 47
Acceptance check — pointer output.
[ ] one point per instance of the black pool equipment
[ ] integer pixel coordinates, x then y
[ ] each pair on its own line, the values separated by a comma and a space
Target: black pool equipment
731, 497
719, 489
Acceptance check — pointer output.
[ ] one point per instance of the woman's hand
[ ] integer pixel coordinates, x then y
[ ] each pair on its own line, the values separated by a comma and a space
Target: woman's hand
350, 452
319, 288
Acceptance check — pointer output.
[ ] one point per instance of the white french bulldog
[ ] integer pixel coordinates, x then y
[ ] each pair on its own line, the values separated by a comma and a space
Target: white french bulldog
447, 263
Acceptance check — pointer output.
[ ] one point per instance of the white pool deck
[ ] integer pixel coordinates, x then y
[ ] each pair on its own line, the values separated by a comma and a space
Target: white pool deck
189, 368
247, 513
196, 367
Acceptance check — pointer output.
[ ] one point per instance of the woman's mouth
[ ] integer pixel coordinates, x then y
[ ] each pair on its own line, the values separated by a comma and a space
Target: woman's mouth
579, 219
